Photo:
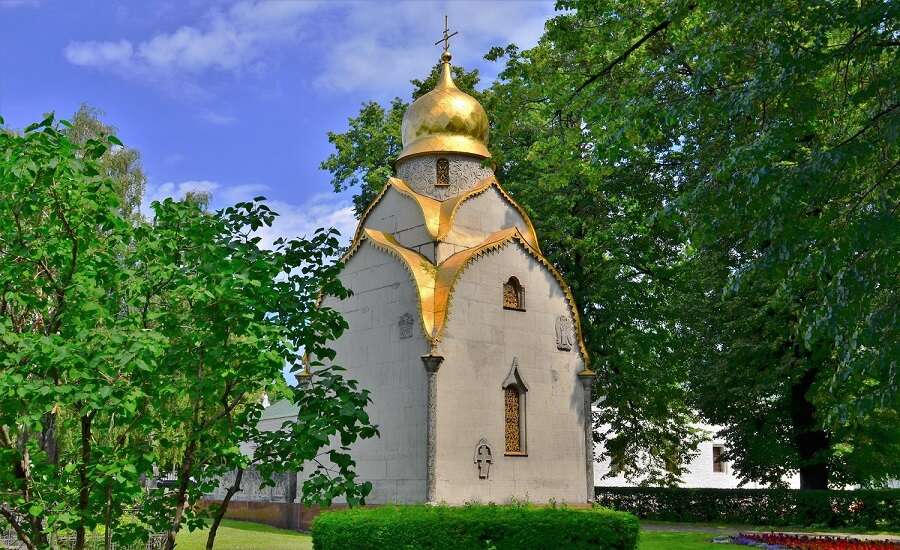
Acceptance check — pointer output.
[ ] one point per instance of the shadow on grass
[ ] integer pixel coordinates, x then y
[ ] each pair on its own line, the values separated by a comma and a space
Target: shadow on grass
252, 527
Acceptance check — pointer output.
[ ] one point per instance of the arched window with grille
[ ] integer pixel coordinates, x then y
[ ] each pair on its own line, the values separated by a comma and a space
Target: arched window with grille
443, 173
513, 295
514, 391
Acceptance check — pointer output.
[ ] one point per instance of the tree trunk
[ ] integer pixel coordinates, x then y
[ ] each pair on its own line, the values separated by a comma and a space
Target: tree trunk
184, 478
23, 472
810, 440
84, 491
220, 513
17, 527
107, 521
48, 441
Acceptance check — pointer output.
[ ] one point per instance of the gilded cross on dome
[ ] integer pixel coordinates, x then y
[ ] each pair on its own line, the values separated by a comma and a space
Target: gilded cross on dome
446, 38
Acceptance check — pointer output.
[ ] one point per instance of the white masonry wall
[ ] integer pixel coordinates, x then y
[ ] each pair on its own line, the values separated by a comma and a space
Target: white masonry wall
476, 219
479, 344
390, 367
400, 216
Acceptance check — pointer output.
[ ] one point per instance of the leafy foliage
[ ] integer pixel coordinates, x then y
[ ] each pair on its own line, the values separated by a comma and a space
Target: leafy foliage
120, 164
474, 526
127, 345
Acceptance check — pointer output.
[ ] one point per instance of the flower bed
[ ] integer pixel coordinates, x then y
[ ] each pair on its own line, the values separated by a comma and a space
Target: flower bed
777, 541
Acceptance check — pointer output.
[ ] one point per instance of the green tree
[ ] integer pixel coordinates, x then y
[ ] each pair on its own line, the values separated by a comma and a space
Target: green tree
718, 182
126, 344
233, 314
119, 163
69, 354
733, 115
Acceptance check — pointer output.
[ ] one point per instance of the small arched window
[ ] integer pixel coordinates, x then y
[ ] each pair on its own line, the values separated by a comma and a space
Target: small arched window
513, 295
514, 390
443, 173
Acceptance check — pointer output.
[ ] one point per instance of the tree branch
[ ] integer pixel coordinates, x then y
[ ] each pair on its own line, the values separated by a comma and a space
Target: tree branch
868, 125
17, 527
624, 55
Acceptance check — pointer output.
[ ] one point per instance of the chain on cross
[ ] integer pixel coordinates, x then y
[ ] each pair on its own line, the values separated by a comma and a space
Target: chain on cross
447, 36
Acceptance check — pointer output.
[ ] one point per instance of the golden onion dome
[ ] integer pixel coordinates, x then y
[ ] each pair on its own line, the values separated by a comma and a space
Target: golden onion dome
445, 120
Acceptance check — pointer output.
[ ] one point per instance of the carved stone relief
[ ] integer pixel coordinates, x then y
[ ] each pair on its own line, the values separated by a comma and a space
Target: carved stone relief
420, 173
484, 457
406, 326
565, 333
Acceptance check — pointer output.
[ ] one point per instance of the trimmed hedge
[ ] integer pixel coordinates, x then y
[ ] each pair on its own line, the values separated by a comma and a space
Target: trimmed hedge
474, 526
863, 509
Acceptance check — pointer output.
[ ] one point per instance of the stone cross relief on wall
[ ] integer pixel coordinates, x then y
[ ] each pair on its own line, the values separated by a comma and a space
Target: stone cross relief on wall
484, 457
565, 333
406, 326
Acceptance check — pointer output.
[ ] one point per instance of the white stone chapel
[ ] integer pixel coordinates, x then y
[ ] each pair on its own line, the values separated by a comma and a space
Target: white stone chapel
467, 337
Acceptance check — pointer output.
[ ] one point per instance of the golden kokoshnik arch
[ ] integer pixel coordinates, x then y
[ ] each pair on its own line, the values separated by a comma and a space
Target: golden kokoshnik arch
435, 283
439, 215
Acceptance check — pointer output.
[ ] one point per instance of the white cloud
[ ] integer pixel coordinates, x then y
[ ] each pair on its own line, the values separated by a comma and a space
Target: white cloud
324, 210
174, 190
294, 220
374, 46
99, 53
381, 46
19, 3
234, 193
174, 158
231, 40
218, 119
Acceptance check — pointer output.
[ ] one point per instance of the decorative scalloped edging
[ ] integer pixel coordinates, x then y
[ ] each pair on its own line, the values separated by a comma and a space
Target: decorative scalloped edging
497, 244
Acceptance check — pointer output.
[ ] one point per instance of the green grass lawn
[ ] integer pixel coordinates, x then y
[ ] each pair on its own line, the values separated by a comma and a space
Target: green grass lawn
242, 535
666, 540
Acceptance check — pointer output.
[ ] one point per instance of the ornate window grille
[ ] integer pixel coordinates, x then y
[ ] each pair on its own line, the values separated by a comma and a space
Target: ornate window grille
513, 424
443, 173
513, 295
514, 390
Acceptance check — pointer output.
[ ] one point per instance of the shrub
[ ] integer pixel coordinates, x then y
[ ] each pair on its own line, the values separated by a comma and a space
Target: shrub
474, 526
863, 509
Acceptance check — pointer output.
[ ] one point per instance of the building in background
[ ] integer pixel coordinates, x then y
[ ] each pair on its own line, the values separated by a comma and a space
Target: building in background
708, 469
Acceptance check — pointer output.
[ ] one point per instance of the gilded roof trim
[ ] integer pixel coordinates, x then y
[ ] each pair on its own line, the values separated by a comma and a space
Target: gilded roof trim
439, 216
435, 284
422, 271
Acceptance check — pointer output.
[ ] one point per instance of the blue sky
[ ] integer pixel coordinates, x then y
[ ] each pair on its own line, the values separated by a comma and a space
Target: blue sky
237, 97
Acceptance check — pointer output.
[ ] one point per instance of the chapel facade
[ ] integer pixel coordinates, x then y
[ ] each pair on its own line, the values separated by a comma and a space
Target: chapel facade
467, 337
